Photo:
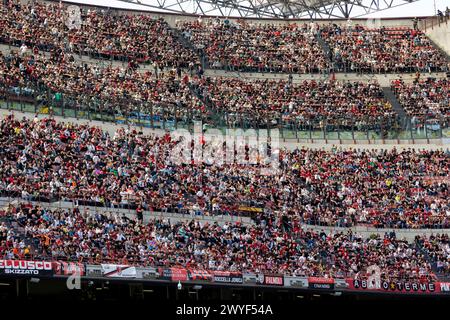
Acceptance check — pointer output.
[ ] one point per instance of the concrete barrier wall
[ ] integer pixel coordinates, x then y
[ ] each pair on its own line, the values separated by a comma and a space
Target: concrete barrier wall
383, 79
440, 35
366, 232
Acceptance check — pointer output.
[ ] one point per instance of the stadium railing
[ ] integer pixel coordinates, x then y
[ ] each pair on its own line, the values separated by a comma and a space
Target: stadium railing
433, 22
170, 116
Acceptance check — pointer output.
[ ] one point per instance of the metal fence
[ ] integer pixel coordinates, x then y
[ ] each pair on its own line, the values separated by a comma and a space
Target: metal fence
433, 22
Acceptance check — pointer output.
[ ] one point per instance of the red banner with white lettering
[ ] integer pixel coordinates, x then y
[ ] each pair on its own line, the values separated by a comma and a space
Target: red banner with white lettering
270, 280
321, 283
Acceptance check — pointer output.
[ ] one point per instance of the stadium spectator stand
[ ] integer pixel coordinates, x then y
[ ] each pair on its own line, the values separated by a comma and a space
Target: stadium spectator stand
242, 46
47, 160
283, 101
383, 50
114, 91
102, 34
270, 247
424, 97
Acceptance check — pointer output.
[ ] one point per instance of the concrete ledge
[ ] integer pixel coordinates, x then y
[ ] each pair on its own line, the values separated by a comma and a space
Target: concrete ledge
383, 79
366, 232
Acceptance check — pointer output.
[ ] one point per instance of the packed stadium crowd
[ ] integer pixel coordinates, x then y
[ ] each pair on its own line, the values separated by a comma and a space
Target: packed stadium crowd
240, 46
401, 189
179, 96
424, 97
272, 246
108, 89
437, 248
227, 44
387, 49
101, 34
283, 101
292, 48
283, 191
45, 64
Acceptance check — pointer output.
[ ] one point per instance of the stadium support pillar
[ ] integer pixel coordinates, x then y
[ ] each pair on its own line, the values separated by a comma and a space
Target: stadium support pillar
21, 288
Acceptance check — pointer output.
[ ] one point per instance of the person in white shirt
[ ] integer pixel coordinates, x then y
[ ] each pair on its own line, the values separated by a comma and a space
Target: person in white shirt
23, 49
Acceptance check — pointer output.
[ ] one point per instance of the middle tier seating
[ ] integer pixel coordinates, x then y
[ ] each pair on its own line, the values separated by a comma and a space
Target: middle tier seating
46, 160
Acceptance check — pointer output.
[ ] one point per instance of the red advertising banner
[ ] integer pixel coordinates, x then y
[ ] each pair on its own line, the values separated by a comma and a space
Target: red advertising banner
320, 283
321, 280
179, 274
394, 286
271, 280
274, 280
196, 274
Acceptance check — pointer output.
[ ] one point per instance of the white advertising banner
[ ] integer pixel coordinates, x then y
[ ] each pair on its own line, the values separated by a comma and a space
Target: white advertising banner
118, 271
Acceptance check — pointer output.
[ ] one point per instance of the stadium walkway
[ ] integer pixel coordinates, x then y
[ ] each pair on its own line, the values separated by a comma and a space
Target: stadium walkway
383, 79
